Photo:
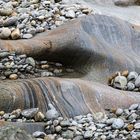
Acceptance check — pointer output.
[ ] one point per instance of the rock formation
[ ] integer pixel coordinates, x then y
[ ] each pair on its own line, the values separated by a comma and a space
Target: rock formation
96, 46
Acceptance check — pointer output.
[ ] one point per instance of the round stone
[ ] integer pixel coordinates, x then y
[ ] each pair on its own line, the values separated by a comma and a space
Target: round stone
52, 114
119, 111
2, 113
120, 82
118, 123
13, 76
5, 33
58, 128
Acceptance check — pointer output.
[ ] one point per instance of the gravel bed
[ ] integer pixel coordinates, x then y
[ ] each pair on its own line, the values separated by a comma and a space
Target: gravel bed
118, 124
25, 18
125, 80
14, 66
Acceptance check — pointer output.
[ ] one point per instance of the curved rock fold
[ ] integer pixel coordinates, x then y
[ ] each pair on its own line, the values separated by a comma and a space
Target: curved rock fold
96, 46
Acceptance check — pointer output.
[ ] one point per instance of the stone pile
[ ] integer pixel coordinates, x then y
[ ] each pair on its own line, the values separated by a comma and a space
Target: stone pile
125, 81
25, 18
117, 124
13, 66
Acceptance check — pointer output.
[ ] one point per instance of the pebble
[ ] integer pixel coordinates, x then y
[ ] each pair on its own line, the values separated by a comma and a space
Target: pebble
52, 113
118, 123
13, 76
27, 36
15, 34
133, 106
39, 134
88, 134
29, 113
119, 111
39, 117
5, 33
70, 14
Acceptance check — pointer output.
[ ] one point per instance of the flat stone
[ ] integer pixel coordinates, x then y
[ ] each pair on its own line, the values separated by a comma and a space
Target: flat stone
11, 21
137, 126
39, 134
68, 134
133, 107
27, 36
70, 14
29, 113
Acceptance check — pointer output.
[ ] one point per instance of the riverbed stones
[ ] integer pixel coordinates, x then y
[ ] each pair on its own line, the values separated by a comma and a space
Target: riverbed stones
13, 66
32, 17
125, 81
114, 126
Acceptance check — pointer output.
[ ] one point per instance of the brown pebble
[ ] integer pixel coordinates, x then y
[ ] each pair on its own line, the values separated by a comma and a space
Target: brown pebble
15, 34
112, 78
13, 76
130, 127
39, 117
46, 66
2, 113
125, 73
